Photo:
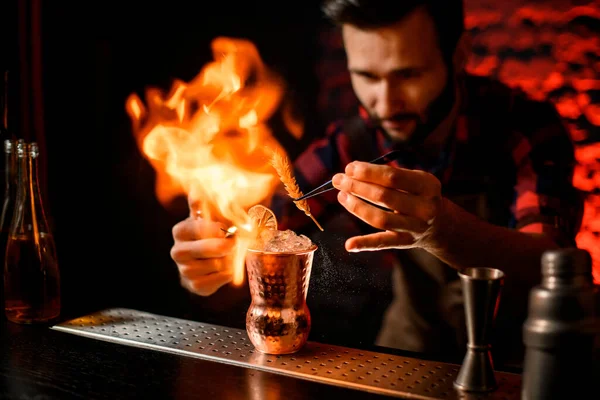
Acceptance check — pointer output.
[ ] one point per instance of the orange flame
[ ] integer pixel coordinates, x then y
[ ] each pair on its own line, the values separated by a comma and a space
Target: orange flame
208, 138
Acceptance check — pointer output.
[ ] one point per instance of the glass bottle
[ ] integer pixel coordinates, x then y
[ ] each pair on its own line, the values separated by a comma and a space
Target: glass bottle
8, 205
31, 274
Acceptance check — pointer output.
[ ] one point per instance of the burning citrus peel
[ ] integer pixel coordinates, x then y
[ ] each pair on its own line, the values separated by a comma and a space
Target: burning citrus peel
284, 169
262, 218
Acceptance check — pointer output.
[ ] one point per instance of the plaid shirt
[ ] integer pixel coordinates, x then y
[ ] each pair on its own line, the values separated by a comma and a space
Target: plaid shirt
511, 149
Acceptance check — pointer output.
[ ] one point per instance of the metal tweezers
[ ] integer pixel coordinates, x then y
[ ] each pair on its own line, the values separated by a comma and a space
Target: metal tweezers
327, 186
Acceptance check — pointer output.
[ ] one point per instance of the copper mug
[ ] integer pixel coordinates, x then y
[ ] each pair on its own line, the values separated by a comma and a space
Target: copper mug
278, 320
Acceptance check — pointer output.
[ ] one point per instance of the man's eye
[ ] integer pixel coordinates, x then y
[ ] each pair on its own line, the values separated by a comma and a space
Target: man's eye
409, 74
368, 77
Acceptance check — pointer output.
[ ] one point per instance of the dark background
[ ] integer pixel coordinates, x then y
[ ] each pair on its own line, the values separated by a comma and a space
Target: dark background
73, 64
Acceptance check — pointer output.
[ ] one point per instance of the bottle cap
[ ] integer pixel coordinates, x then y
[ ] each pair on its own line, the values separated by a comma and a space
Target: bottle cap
34, 150
566, 262
21, 148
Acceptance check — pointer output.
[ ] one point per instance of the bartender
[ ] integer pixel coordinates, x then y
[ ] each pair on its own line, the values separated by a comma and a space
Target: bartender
484, 180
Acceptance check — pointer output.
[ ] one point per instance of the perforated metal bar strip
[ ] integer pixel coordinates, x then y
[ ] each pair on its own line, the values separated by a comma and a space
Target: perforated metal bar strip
362, 370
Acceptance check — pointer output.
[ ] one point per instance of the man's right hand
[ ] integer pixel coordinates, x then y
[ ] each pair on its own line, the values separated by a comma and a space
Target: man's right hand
202, 255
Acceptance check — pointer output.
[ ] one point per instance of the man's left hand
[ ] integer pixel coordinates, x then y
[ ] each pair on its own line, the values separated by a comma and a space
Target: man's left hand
412, 197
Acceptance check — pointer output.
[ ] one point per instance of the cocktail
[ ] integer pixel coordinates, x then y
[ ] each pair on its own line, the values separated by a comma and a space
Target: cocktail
279, 265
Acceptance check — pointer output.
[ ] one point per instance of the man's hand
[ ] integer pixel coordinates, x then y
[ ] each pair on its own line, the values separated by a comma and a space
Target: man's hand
201, 253
412, 197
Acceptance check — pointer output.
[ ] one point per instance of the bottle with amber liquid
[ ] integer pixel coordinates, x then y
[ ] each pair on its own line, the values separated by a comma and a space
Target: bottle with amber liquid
31, 273
8, 205
9, 174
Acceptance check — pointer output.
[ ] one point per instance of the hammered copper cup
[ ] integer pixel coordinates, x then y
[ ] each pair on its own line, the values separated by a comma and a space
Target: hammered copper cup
278, 320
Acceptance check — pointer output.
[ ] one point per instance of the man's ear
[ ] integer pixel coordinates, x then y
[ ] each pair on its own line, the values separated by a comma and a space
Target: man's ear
462, 52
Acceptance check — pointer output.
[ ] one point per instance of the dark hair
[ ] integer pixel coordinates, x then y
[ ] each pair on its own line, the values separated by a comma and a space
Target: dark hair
448, 16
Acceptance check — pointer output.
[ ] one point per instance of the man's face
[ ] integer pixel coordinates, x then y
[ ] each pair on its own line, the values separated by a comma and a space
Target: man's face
399, 75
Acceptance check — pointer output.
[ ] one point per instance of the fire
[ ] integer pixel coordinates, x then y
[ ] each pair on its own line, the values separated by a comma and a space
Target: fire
208, 138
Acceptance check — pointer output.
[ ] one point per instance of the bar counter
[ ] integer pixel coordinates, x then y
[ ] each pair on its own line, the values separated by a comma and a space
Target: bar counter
129, 354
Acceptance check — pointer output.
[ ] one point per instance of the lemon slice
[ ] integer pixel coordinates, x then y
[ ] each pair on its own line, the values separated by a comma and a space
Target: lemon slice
262, 218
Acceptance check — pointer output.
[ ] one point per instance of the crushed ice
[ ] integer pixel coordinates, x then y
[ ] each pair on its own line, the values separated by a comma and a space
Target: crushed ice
281, 241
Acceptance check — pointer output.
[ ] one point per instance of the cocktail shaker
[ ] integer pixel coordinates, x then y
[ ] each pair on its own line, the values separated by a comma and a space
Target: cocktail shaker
560, 329
278, 319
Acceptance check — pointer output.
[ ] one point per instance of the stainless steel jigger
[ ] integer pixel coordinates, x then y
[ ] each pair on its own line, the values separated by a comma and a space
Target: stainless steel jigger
481, 291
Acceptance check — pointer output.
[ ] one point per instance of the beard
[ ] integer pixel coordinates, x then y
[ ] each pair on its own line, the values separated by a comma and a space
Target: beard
424, 123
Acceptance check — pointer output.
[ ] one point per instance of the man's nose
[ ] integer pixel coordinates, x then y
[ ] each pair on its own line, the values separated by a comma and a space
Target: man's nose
389, 100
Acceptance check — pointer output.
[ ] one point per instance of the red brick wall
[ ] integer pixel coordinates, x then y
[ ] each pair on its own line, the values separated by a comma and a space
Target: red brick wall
551, 49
